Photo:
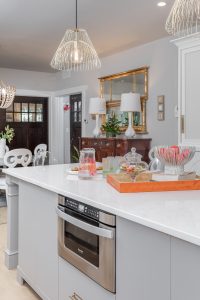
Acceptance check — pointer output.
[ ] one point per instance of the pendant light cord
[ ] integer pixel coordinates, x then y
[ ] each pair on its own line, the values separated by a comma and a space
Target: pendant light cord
76, 14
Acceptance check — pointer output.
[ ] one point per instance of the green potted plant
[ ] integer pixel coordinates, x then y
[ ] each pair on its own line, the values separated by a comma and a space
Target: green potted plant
111, 127
6, 135
75, 154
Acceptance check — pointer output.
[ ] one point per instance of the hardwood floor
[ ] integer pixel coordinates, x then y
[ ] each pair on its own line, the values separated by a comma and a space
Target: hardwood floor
9, 287
3, 215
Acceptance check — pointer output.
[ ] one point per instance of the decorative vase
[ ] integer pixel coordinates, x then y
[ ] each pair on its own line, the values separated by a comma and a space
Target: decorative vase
2, 147
110, 134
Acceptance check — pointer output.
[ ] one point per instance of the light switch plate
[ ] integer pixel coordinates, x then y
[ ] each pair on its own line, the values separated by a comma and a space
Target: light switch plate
161, 108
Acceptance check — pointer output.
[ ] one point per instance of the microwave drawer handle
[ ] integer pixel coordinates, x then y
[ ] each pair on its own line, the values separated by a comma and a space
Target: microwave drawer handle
83, 225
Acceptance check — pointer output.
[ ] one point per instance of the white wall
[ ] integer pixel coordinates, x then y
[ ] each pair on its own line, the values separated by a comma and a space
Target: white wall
162, 58
29, 80
78, 79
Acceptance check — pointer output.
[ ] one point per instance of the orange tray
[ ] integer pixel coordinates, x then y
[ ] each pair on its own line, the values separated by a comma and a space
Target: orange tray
123, 184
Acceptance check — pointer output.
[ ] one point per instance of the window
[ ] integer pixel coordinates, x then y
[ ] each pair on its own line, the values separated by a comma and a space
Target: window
24, 112
76, 111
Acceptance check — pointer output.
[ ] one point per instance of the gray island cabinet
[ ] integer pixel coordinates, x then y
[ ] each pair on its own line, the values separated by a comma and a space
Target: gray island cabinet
37, 241
73, 282
185, 270
157, 238
155, 266
143, 262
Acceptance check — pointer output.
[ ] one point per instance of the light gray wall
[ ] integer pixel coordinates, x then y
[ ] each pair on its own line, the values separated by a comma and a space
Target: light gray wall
78, 79
162, 58
29, 80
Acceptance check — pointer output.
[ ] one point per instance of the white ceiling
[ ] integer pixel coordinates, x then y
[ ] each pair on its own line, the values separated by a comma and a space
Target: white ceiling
30, 30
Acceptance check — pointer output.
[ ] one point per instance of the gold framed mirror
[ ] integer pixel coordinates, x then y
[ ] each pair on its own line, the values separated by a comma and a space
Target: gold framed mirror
111, 88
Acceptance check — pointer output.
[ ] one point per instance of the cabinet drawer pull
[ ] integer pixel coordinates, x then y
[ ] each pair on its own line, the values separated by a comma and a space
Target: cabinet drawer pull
83, 143
75, 297
107, 144
118, 145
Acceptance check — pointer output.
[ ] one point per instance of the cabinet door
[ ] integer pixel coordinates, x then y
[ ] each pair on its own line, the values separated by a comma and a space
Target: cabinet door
189, 92
103, 147
121, 147
190, 96
85, 143
185, 270
38, 258
142, 147
107, 148
73, 282
143, 262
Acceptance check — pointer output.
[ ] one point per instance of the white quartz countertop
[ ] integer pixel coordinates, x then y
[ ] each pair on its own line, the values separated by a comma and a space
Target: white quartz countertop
174, 213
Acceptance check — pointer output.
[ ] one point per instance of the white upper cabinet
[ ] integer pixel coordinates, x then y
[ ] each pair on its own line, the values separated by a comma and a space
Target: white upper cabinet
189, 90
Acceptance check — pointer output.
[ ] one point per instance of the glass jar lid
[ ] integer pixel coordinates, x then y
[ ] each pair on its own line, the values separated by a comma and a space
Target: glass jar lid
135, 159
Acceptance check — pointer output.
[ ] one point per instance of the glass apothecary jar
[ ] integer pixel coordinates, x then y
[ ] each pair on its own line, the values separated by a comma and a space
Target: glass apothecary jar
132, 164
87, 163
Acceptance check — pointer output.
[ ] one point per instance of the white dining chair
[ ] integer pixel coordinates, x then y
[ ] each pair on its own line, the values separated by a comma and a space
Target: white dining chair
13, 158
20, 156
7, 149
2, 158
2, 183
40, 148
40, 153
2, 176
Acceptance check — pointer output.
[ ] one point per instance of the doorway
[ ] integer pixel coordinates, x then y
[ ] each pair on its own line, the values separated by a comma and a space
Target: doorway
28, 116
75, 124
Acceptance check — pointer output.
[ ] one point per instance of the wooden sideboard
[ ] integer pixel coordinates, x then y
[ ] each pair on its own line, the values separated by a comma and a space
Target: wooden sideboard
116, 147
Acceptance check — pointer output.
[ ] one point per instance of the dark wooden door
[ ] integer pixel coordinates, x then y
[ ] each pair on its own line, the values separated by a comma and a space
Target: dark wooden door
29, 118
75, 123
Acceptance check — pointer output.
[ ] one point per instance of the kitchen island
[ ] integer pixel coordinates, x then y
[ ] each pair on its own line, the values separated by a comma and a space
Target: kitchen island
157, 237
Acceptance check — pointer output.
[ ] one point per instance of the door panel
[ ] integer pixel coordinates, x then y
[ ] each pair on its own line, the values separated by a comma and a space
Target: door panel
75, 123
29, 118
73, 284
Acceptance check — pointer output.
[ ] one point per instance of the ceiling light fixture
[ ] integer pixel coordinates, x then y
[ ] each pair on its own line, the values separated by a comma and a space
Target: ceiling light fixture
184, 18
7, 94
76, 51
161, 4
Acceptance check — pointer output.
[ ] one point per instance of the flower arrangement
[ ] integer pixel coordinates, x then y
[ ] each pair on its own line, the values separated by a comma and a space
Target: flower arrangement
8, 134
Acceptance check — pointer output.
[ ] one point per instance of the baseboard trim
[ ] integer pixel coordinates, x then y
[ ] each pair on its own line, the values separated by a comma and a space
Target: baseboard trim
11, 259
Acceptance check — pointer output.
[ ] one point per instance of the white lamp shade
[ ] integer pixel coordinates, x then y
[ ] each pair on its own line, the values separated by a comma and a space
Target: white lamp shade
97, 106
130, 102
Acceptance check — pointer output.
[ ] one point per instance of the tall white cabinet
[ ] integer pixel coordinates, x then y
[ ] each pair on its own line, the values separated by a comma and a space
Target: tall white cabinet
189, 90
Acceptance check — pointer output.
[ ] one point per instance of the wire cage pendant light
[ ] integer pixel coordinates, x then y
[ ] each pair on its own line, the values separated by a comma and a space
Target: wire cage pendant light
7, 94
76, 51
184, 18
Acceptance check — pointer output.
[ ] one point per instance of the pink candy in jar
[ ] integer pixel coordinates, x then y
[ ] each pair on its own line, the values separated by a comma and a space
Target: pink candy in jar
174, 157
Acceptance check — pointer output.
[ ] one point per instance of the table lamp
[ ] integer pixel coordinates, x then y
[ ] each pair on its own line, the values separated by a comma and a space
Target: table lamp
130, 102
97, 106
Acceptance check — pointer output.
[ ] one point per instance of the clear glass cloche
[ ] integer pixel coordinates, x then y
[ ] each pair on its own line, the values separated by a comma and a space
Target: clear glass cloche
132, 163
